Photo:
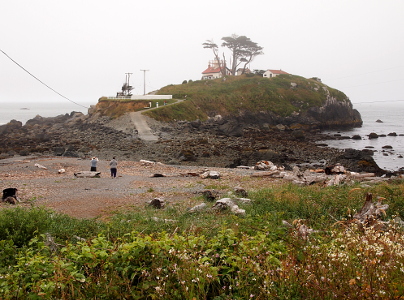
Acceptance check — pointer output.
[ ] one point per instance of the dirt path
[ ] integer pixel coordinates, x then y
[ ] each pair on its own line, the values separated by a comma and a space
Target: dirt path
140, 122
143, 129
100, 197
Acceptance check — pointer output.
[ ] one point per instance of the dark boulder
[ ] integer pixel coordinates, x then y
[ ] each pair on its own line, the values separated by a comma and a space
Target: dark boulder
10, 127
358, 161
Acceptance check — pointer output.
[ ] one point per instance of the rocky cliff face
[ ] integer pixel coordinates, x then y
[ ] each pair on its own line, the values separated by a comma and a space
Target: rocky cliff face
335, 114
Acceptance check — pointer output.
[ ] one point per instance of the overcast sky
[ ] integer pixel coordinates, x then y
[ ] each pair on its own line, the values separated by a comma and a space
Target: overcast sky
83, 48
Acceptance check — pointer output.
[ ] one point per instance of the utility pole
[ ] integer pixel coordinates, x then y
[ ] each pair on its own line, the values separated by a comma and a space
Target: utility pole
144, 81
127, 77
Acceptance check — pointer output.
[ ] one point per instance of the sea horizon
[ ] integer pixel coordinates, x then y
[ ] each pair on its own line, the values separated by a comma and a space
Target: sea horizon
25, 110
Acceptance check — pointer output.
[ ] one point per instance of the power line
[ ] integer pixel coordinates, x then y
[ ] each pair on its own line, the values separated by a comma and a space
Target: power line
378, 101
365, 84
53, 90
374, 71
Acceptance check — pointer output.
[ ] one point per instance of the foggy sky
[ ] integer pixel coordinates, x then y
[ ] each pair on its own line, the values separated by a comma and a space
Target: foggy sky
83, 49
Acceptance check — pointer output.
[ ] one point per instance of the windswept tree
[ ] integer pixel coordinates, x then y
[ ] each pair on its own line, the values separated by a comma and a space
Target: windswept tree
242, 49
209, 44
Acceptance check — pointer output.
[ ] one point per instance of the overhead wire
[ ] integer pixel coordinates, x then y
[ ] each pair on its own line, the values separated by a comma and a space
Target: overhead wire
53, 90
378, 101
374, 71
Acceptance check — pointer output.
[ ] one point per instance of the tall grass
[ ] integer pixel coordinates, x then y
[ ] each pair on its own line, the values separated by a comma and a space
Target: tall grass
173, 254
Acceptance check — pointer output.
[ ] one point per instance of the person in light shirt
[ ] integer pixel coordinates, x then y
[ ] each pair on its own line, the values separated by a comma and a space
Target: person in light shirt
94, 161
113, 164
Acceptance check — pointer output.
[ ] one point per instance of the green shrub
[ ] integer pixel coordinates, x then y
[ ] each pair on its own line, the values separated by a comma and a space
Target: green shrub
172, 254
20, 225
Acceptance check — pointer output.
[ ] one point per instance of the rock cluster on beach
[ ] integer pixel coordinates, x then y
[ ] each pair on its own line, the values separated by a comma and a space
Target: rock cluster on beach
214, 143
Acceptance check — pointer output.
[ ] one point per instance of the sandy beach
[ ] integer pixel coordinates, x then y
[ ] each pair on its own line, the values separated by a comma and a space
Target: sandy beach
101, 197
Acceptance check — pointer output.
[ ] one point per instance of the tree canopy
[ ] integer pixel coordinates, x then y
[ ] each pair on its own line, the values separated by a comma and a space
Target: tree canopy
242, 50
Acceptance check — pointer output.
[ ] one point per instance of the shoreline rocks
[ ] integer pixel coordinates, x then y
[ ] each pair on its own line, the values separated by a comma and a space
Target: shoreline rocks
187, 143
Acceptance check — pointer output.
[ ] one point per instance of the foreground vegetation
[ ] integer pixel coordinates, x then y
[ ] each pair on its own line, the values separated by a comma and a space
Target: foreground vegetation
46, 255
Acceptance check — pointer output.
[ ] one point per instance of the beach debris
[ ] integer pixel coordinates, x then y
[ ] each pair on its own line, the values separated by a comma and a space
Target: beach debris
243, 200
198, 208
335, 169
265, 165
266, 174
329, 176
239, 191
144, 162
50, 242
158, 175
40, 166
157, 203
79, 238
87, 174
336, 180
10, 195
10, 200
227, 203
370, 215
301, 230
371, 211
192, 174
209, 195
210, 174
155, 219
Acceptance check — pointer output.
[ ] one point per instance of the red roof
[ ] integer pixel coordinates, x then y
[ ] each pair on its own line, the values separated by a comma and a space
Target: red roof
278, 72
211, 70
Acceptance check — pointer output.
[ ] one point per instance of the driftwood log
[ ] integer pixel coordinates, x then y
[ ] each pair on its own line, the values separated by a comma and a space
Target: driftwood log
87, 174
371, 211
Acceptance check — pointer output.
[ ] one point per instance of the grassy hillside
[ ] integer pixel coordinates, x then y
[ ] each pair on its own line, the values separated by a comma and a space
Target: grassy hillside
114, 108
282, 95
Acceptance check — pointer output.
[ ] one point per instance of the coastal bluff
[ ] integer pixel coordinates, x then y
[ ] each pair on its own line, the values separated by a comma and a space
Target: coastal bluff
226, 134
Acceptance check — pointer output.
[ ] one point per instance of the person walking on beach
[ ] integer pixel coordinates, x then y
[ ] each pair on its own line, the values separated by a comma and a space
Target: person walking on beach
113, 164
94, 161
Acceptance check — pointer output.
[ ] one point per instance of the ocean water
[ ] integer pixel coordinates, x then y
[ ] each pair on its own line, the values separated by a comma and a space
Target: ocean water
23, 111
392, 116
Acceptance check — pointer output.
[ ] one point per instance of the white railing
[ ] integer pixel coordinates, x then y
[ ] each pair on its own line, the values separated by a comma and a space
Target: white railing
140, 97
